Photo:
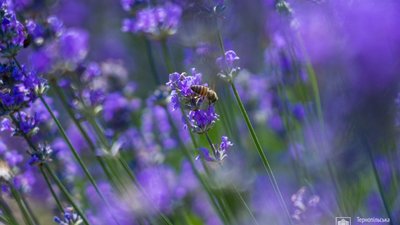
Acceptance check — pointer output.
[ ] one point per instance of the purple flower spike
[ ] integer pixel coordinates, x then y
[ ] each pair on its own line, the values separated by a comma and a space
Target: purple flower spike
70, 217
12, 32
41, 155
157, 23
227, 64
74, 45
202, 120
219, 154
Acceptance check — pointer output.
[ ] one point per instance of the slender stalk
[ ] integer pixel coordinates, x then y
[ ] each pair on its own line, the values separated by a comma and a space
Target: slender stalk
71, 147
25, 214
379, 184
234, 187
53, 193
29, 209
313, 79
66, 193
166, 55
185, 151
7, 212
83, 132
150, 57
67, 140
102, 138
261, 153
3, 220
199, 177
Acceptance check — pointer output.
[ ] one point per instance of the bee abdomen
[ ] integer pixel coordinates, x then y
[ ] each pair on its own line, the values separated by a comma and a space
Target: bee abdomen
199, 89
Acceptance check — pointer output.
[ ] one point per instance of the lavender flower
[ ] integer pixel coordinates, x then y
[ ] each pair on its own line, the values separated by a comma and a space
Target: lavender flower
41, 155
227, 64
74, 45
19, 88
12, 32
218, 153
202, 120
13, 158
158, 184
156, 23
302, 203
69, 218
180, 85
26, 125
155, 126
201, 115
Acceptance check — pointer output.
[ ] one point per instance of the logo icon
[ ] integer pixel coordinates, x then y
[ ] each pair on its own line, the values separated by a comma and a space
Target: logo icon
343, 221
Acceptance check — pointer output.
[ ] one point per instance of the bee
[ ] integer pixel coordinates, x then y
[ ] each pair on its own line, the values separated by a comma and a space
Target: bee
206, 92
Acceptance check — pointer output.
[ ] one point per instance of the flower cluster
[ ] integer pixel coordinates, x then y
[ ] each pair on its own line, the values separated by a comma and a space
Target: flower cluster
41, 31
201, 115
156, 23
19, 88
25, 125
218, 152
41, 155
70, 218
301, 203
228, 65
12, 32
181, 92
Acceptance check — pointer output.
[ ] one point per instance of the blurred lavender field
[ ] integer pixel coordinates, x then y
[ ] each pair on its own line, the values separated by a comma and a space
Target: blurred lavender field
138, 112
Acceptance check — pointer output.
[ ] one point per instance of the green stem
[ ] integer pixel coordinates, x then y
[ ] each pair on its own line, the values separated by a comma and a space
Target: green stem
123, 163
29, 209
7, 212
235, 189
185, 151
150, 57
379, 184
65, 193
25, 214
199, 177
166, 56
313, 79
83, 132
53, 193
261, 153
71, 147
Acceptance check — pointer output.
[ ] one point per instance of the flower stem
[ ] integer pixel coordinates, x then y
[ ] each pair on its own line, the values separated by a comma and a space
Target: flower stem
150, 57
25, 214
123, 163
85, 135
65, 193
67, 140
234, 187
53, 193
261, 153
379, 184
71, 147
313, 79
29, 209
166, 56
7, 212
199, 177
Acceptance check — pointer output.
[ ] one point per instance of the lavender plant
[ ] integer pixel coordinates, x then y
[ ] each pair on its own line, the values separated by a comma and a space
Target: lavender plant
97, 127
